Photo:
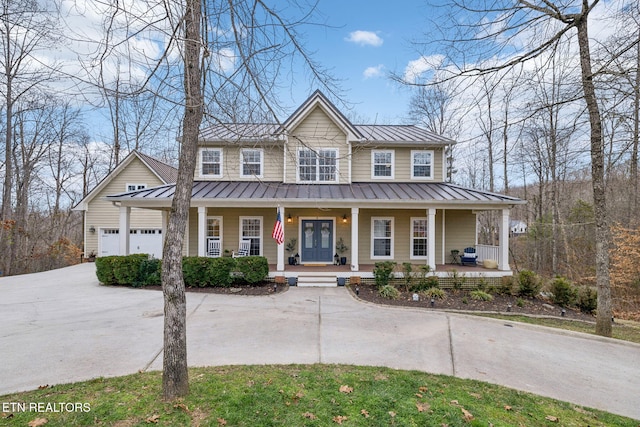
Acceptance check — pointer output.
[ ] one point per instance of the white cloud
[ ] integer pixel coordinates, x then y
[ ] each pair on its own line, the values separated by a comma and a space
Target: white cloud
416, 68
365, 38
372, 72
225, 60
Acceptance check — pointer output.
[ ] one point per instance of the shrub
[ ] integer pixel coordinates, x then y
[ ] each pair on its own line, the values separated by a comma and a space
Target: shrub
407, 271
563, 292
383, 272
104, 270
435, 293
126, 269
506, 286
587, 300
254, 269
479, 295
389, 292
219, 270
149, 272
458, 279
528, 284
520, 302
426, 283
194, 271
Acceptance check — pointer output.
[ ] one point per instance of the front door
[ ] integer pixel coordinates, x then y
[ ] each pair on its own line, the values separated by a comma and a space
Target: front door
317, 240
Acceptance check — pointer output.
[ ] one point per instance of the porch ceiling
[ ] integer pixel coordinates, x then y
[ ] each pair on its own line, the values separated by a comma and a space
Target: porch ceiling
358, 194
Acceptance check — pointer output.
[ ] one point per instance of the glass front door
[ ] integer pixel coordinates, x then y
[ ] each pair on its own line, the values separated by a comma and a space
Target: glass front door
317, 240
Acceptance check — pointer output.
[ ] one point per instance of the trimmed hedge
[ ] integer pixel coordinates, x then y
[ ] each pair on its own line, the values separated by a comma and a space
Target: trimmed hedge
138, 270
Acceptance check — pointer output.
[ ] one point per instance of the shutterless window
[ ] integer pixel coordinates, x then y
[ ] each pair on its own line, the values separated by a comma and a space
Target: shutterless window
320, 165
251, 162
251, 229
382, 237
422, 164
211, 163
134, 187
419, 238
382, 164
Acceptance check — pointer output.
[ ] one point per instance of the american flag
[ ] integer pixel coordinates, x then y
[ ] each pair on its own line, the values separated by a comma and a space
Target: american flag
278, 232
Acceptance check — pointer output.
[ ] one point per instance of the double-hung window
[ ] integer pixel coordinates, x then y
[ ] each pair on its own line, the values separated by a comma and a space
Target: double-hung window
382, 164
419, 238
422, 164
318, 165
251, 160
211, 162
251, 229
381, 238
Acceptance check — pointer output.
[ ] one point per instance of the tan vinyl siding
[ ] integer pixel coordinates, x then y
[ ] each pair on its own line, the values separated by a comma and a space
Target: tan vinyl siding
271, 165
362, 164
102, 214
317, 131
460, 230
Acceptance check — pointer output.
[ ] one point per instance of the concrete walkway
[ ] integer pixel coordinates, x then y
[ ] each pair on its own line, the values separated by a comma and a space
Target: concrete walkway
62, 326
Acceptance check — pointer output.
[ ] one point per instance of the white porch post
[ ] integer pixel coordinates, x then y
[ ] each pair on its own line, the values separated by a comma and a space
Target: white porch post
280, 259
431, 240
202, 230
354, 239
125, 228
504, 241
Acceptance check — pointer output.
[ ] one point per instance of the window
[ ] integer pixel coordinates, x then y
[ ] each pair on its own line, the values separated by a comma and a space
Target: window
135, 187
382, 238
422, 164
214, 227
382, 163
419, 238
318, 166
211, 162
251, 229
251, 163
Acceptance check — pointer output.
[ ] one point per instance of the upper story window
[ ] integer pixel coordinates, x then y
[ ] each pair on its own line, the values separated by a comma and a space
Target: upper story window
251, 162
318, 165
382, 164
134, 187
422, 164
211, 162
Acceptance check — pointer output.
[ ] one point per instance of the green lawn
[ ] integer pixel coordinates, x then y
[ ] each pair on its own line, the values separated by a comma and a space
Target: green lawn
309, 395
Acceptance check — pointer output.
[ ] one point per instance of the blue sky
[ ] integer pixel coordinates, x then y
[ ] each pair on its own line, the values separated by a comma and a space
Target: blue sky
364, 42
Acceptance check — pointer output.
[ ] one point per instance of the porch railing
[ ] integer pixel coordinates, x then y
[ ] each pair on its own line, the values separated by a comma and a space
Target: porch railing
488, 252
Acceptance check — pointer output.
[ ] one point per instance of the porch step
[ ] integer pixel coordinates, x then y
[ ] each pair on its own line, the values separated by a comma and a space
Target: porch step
317, 280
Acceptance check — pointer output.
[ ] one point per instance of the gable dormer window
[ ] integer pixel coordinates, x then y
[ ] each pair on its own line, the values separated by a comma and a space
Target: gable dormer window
382, 164
251, 163
318, 165
422, 164
211, 162
135, 187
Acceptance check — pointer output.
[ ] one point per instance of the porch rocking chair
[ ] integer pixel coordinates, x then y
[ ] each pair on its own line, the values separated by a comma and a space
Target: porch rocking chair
469, 256
243, 250
213, 248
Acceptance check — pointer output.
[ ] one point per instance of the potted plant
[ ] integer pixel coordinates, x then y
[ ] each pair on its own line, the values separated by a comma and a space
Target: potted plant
341, 248
290, 247
91, 257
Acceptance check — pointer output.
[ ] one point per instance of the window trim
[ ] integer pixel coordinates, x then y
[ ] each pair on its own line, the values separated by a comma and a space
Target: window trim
412, 237
242, 163
317, 150
261, 237
138, 186
431, 165
373, 238
373, 164
200, 157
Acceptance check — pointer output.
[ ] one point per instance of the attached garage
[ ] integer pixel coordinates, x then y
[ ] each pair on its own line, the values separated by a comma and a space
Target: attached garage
141, 241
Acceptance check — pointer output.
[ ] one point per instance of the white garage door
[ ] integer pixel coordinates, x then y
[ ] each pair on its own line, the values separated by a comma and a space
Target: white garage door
141, 241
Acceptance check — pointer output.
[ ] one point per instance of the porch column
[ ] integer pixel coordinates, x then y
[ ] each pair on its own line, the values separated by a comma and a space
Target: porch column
280, 252
504, 241
202, 230
354, 239
431, 240
125, 228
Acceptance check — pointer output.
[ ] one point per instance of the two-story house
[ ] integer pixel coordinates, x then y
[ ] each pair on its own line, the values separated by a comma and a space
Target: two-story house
379, 189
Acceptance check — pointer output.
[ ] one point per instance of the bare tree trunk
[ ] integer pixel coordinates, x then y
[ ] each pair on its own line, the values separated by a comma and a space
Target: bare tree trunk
603, 233
636, 136
175, 379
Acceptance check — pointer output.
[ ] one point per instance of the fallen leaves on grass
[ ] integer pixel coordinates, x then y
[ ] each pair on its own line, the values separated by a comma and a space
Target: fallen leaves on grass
507, 408
222, 422
551, 418
364, 413
346, 389
467, 415
38, 422
153, 419
181, 406
423, 406
310, 416
339, 419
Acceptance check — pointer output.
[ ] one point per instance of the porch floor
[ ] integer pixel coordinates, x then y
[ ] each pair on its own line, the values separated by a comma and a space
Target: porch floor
366, 270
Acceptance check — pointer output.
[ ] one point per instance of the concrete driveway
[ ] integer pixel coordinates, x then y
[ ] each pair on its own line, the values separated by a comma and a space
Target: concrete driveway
62, 326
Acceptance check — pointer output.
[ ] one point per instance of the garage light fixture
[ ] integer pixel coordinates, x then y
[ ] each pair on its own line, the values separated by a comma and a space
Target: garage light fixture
92, 229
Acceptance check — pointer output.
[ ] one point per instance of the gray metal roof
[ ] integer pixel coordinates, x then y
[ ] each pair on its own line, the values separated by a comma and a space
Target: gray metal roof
264, 132
356, 193
166, 172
